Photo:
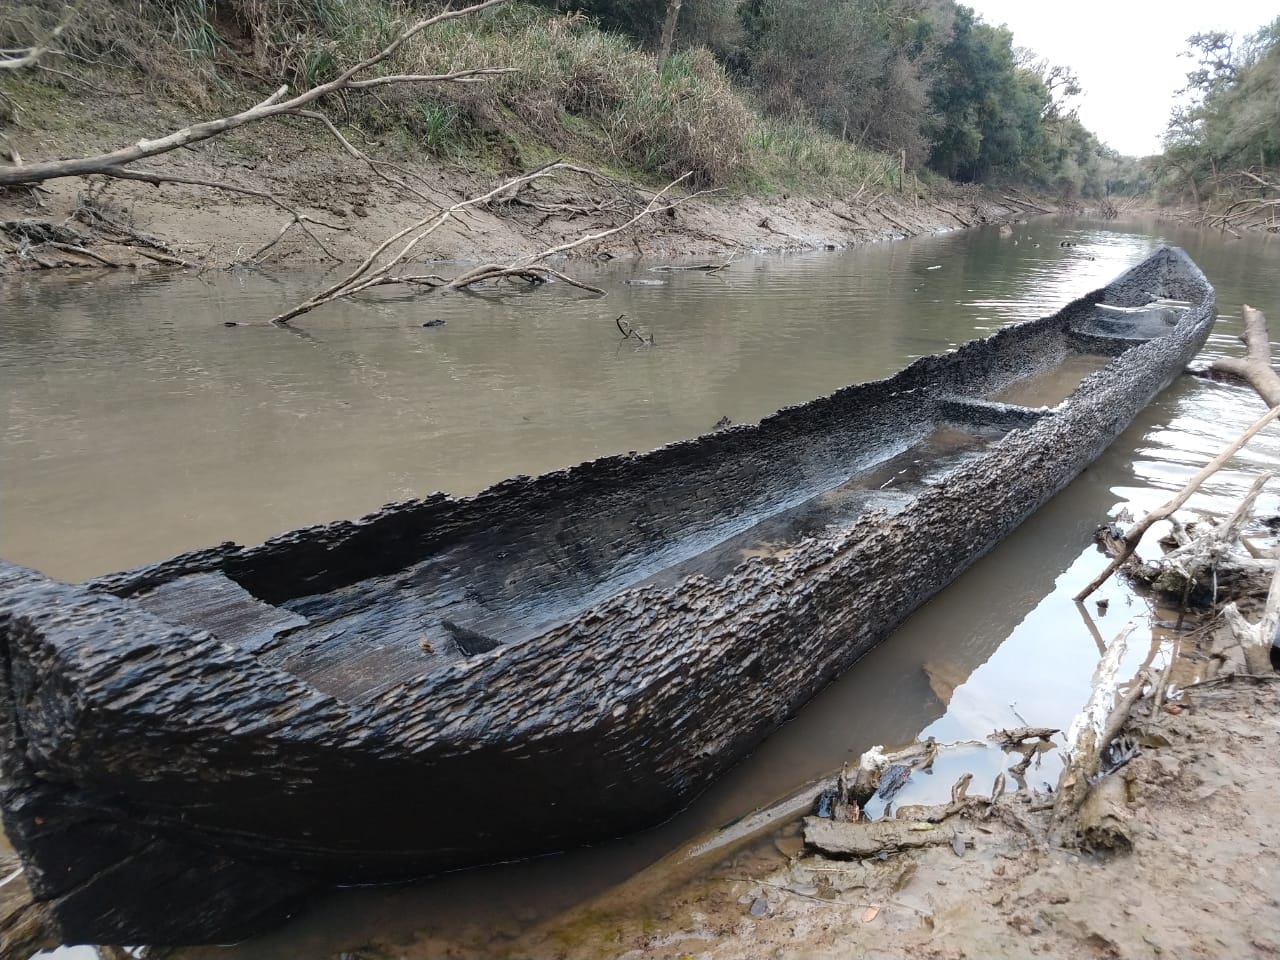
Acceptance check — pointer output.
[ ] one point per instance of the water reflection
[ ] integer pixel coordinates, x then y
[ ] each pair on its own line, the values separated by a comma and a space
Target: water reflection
136, 425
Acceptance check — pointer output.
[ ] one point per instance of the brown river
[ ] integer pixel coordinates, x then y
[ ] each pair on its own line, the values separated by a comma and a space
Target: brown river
136, 424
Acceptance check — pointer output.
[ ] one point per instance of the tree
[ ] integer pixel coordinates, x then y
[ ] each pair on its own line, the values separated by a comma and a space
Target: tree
1225, 137
987, 110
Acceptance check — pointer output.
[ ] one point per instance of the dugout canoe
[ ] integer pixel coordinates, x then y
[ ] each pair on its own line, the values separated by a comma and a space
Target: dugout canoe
191, 748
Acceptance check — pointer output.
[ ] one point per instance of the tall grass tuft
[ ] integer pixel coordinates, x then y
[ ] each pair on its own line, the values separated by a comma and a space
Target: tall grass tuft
578, 90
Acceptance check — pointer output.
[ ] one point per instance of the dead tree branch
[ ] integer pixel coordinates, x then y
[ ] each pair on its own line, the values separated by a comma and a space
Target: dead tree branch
1092, 731
629, 332
273, 106
377, 269
1129, 542
365, 276
523, 266
1255, 366
20, 57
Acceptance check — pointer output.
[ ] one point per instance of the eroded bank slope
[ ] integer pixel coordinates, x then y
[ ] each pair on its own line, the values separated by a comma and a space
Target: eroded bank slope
351, 208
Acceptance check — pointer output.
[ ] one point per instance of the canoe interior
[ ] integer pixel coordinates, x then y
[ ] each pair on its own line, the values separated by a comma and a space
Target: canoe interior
528, 555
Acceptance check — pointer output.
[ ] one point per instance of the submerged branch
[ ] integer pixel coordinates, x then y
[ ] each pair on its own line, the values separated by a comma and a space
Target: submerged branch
377, 269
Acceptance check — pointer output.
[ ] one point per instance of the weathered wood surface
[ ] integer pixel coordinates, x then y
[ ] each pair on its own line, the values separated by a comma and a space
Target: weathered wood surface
857, 841
23, 930
166, 786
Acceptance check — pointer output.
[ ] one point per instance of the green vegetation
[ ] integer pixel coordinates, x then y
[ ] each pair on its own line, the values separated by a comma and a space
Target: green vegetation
926, 80
1225, 141
765, 94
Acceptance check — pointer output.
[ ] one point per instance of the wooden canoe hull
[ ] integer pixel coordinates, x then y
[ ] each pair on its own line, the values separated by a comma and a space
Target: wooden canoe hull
163, 785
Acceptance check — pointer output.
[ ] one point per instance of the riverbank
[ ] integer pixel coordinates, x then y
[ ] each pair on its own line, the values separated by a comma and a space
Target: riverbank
349, 210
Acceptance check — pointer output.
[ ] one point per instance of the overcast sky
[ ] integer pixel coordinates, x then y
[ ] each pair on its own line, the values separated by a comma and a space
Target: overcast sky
1125, 53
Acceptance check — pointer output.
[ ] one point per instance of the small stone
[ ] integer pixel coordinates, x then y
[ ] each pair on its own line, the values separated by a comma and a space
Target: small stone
759, 907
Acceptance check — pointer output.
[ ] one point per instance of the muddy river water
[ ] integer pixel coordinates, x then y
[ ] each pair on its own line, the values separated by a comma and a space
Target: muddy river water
136, 423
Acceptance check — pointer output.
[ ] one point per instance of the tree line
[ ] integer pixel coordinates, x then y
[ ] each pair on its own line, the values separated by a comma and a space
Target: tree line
926, 79
1224, 140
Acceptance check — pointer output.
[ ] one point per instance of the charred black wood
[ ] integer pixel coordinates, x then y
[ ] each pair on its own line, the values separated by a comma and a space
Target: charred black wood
181, 771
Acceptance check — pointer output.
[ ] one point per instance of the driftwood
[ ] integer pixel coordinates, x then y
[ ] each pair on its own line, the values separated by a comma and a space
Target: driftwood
1023, 201
1244, 212
1129, 542
1203, 567
1264, 631
1103, 820
897, 223
1092, 732
379, 267
1018, 735
1255, 366
861, 840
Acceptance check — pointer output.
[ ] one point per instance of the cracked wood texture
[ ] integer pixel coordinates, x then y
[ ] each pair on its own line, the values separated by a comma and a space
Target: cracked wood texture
168, 784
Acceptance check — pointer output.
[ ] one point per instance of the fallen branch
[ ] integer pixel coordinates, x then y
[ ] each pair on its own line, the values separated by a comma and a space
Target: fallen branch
1092, 731
629, 332
1263, 632
20, 57
1131, 539
357, 280
82, 252
1202, 566
378, 269
860, 841
1255, 367
522, 266
1015, 737
901, 226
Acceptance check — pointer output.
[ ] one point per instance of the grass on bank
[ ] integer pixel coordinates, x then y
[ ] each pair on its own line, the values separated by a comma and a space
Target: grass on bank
579, 92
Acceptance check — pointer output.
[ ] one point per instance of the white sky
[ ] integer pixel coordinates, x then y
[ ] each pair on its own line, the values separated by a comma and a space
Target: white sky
1125, 53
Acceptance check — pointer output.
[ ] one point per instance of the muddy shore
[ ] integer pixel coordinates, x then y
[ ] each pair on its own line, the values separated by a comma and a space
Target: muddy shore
96, 223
